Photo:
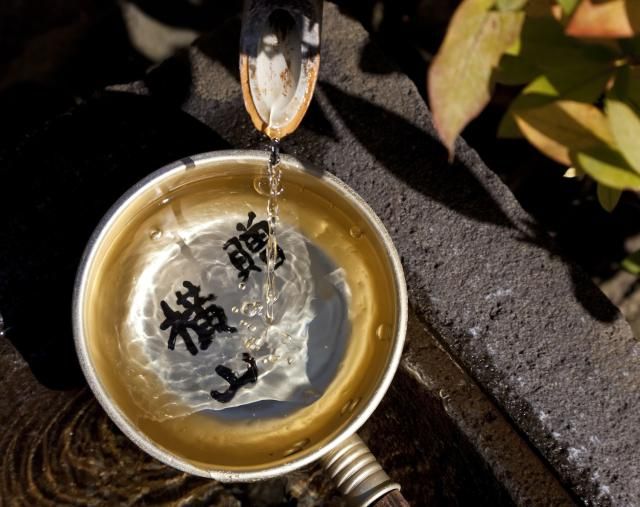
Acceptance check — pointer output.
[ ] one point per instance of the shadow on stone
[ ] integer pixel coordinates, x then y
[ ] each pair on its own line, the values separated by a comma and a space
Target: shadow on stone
171, 82
378, 131
413, 438
226, 54
202, 15
62, 180
591, 298
317, 122
452, 185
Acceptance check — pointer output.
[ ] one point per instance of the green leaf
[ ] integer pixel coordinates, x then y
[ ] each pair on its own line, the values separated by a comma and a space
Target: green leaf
508, 128
567, 69
561, 127
568, 6
544, 43
510, 5
514, 71
539, 92
624, 120
630, 47
539, 8
608, 197
627, 84
607, 166
632, 263
581, 85
632, 85
624, 115
460, 75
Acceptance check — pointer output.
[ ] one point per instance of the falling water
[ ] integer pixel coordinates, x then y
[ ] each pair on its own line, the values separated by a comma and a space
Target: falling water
273, 173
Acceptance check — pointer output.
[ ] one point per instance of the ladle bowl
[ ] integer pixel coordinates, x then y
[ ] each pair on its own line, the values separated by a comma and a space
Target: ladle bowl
260, 446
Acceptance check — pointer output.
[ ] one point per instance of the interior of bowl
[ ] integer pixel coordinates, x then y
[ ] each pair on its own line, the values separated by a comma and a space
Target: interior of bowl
122, 339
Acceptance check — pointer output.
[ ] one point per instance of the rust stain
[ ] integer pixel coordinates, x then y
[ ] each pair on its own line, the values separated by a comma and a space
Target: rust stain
287, 82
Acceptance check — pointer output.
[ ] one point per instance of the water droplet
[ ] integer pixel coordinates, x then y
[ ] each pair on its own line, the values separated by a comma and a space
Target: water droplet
311, 393
253, 328
261, 185
252, 343
251, 309
383, 332
155, 234
242, 286
242, 322
355, 232
297, 447
291, 360
349, 406
265, 361
235, 309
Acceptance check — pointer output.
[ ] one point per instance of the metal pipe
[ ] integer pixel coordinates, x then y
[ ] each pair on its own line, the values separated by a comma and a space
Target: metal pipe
357, 473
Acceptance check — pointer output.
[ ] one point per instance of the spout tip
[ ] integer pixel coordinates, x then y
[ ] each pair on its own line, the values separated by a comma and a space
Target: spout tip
279, 62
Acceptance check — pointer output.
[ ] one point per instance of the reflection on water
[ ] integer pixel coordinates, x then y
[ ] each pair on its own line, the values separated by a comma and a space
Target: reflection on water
296, 357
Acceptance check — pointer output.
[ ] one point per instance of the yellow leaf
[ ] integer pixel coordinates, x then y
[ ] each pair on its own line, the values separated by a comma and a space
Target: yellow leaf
624, 120
608, 18
460, 75
563, 126
607, 166
623, 113
568, 5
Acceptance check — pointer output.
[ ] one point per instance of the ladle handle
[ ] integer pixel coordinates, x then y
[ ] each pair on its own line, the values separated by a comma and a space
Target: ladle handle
359, 476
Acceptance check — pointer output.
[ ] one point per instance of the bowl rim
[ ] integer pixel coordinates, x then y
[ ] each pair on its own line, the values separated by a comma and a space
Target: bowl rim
122, 421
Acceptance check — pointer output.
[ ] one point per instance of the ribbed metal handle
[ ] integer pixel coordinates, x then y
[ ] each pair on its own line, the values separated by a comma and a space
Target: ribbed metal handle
357, 473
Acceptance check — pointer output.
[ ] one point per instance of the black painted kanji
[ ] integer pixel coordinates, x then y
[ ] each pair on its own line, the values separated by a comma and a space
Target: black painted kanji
248, 377
199, 316
252, 240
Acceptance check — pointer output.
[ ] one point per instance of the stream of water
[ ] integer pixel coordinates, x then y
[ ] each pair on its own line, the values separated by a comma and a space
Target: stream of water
273, 174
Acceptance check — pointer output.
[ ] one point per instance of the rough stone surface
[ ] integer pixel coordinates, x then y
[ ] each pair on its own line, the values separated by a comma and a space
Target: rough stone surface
529, 328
